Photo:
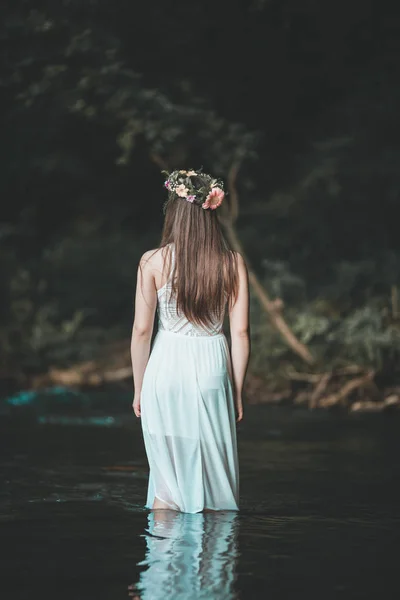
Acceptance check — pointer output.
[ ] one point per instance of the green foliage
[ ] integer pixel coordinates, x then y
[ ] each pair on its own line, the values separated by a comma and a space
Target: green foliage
85, 75
84, 133
337, 331
56, 305
93, 110
367, 338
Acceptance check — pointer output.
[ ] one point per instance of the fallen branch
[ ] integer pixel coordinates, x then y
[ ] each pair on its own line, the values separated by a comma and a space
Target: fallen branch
391, 402
112, 367
319, 390
315, 377
342, 394
309, 377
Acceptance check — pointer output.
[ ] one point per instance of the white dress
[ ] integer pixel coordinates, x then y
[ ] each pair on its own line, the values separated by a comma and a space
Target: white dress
188, 414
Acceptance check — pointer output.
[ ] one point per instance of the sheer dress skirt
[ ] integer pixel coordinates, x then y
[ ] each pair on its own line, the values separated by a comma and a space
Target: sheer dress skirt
188, 423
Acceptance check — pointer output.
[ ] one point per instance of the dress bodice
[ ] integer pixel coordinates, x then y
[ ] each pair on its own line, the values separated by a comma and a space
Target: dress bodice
168, 318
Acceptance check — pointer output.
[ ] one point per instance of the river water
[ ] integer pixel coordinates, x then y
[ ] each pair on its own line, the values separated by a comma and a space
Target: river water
319, 514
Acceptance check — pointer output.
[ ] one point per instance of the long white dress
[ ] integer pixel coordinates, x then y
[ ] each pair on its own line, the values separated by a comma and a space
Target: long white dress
188, 414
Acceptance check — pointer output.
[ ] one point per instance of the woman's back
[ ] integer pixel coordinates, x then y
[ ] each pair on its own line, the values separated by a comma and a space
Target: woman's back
170, 320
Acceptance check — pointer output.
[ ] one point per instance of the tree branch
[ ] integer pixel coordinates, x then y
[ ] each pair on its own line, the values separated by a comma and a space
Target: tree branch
159, 161
272, 308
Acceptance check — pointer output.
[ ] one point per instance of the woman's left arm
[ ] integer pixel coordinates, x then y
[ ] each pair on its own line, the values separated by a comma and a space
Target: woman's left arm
145, 306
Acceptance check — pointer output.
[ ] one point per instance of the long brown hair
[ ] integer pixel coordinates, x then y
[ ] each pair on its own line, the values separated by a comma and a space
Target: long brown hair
205, 274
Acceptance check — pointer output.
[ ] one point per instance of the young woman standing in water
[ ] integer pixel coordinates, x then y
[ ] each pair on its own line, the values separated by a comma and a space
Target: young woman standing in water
188, 388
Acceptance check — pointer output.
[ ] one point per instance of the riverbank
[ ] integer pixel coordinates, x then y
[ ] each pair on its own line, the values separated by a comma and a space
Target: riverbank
347, 390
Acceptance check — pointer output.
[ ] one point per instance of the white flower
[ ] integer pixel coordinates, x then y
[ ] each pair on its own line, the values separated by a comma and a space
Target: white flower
181, 190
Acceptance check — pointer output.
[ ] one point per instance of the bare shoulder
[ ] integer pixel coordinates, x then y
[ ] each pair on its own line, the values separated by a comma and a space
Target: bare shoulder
241, 263
147, 260
152, 260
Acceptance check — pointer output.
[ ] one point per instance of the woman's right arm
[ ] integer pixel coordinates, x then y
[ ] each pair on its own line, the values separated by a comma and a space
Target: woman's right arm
240, 335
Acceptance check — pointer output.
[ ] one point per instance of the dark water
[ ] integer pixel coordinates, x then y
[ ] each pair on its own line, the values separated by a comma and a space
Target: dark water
319, 514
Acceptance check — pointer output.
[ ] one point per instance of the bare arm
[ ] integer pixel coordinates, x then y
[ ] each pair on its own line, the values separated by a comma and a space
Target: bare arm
145, 306
240, 335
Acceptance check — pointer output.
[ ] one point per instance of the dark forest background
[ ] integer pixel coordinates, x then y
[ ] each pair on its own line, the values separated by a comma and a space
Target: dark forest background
303, 95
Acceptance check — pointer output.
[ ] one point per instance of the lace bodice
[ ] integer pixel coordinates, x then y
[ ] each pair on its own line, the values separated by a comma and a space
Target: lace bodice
169, 320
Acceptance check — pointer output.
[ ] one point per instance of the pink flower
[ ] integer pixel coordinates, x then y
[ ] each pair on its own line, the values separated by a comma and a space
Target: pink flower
181, 190
214, 198
191, 198
167, 184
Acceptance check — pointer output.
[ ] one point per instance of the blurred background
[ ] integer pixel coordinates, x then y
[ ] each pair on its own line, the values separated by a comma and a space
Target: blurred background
295, 104
299, 98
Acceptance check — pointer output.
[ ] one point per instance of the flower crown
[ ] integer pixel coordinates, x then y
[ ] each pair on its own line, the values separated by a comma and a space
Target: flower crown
209, 195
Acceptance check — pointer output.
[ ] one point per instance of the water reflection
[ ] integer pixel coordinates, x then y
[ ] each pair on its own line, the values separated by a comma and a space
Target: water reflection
189, 557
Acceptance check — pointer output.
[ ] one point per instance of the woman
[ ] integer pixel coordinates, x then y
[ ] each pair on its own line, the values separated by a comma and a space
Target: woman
189, 388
